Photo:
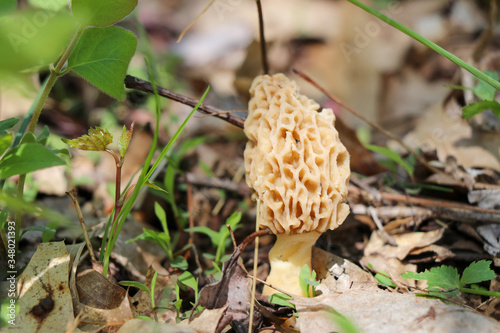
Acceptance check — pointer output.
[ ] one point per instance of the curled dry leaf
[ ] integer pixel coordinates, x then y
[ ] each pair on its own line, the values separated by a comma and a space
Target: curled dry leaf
100, 303
44, 296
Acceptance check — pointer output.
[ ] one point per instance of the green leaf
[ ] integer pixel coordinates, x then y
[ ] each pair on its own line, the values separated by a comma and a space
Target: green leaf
215, 237
484, 90
26, 158
188, 279
29, 138
5, 142
443, 277
7, 7
392, 155
471, 110
124, 139
36, 228
7, 124
234, 219
98, 139
146, 318
180, 263
281, 299
384, 280
162, 216
135, 284
102, 56
152, 185
476, 272
43, 136
101, 13
32, 38
306, 278
53, 5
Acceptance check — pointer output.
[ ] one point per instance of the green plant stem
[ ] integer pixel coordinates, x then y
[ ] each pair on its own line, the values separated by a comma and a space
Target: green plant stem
55, 72
474, 71
480, 292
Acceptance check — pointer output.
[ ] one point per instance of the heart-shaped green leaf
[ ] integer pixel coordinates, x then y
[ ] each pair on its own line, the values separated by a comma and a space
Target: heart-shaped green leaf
33, 38
101, 13
102, 56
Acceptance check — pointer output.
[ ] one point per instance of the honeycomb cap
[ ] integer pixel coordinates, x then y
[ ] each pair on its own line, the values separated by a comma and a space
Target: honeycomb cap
294, 159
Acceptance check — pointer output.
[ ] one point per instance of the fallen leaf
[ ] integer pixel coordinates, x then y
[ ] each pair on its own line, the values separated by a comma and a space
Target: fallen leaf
232, 290
208, 321
374, 311
138, 325
44, 297
91, 318
405, 243
96, 291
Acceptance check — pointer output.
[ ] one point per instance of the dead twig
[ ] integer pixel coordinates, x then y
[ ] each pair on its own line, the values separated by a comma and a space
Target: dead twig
454, 211
378, 223
133, 82
263, 51
72, 194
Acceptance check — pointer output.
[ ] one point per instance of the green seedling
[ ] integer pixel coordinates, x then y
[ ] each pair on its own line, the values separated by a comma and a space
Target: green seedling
141, 286
345, 324
185, 280
164, 240
281, 300
307, 281
383, 277
444, 281
486, 94
408, 165
219, 239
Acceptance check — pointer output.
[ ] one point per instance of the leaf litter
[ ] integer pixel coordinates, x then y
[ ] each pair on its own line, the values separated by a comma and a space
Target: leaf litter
425, 233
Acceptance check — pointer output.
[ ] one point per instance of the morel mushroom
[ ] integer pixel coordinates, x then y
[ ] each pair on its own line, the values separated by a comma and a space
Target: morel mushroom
299, 170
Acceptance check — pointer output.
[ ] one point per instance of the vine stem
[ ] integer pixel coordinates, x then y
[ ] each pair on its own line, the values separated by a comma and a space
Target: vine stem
474, 71
55, 72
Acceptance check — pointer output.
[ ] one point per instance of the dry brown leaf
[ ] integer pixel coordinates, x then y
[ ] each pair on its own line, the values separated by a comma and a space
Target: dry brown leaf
232, 292
96, 291
441, 252
375, 311
208, 321
443, 130
405, 243
138, 325
44, 296
339, 274
90, 318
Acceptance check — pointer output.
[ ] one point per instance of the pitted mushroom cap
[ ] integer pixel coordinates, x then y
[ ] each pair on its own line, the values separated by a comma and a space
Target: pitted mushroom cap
294, 159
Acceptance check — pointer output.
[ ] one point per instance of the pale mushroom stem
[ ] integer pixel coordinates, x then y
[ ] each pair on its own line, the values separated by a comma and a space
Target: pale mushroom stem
287, 257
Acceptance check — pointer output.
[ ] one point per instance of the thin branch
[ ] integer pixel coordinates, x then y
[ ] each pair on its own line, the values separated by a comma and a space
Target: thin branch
263, 48
448, 210
369, 122
133, 82
72, 194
